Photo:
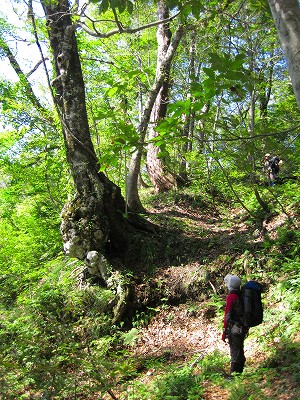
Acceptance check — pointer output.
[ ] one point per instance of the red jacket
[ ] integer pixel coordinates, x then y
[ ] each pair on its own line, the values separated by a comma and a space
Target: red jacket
230, 299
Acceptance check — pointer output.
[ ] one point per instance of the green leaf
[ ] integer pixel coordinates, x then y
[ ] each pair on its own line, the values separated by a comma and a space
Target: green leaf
100, 115
239, 60
173, 4
186, 10
133, 73
130, 337
121, 6
197, 106
162, 154
210, 72
102, 4
130, 7
112, 91
196, 9
159, 143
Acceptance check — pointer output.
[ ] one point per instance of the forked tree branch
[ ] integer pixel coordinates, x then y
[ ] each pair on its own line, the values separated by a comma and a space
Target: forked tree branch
120, 29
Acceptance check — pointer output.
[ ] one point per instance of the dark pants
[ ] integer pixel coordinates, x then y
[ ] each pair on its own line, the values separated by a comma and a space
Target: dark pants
236, 343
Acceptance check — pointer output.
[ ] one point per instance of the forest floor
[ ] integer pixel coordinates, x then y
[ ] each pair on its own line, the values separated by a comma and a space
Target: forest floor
182, 337
185, 333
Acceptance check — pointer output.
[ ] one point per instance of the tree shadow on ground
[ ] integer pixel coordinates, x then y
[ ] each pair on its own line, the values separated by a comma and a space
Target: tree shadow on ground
188, 237
185, 259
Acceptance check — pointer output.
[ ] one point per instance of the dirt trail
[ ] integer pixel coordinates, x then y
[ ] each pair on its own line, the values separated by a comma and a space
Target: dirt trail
186, 334
189, 331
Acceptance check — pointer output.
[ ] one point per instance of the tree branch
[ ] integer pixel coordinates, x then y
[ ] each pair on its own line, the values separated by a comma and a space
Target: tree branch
249, 137
119, 24
14, 63
120, 28
36, 66
31, 16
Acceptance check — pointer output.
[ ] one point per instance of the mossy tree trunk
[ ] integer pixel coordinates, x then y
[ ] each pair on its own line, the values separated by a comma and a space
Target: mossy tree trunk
93, 227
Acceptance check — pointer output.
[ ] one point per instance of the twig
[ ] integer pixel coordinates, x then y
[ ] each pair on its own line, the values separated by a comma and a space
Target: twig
213, 288
198, 358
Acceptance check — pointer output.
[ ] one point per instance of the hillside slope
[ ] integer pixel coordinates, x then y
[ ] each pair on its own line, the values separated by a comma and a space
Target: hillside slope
185, 332
58, 340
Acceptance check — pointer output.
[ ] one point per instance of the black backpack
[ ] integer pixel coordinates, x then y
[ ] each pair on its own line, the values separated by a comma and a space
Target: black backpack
252, 304
274, 164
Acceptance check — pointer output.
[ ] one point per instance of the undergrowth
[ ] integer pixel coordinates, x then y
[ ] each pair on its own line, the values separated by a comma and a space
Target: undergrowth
57, 341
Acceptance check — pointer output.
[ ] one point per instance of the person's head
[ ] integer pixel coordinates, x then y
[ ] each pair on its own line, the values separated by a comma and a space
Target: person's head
267, 156
232, 282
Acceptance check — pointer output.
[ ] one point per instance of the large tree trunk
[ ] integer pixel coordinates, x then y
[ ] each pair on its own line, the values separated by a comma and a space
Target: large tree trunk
93, 225
286, 14
161, 179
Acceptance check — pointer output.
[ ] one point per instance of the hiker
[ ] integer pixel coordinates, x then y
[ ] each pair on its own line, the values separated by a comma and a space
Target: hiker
266, 162
233, 329
271, 166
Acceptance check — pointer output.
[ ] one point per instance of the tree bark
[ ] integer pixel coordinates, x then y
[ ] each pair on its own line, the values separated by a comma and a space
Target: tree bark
189, 125
134, 169
133, 198
93, 225
286, 15
161, 179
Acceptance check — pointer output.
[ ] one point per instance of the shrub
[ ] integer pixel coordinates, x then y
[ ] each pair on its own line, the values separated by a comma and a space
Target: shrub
179, 384
248, 391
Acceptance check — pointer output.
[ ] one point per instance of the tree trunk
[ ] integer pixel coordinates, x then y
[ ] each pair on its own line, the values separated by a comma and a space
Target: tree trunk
161, 179
93, 226
134, 171
133, 198
286, 15
189, 125
134, 168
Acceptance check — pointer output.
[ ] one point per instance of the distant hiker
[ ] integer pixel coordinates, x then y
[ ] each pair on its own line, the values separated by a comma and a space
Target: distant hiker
266, 161
233, 329
271, 166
